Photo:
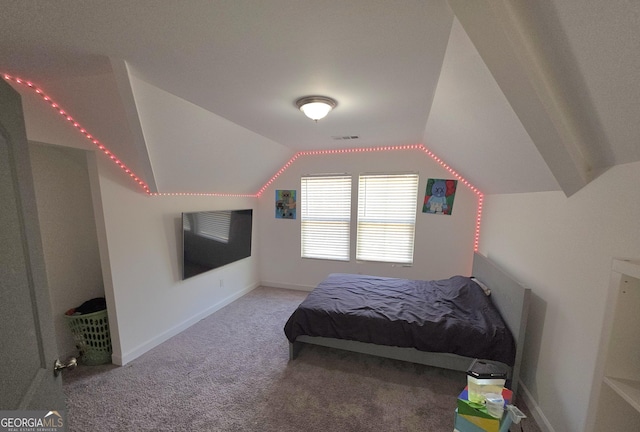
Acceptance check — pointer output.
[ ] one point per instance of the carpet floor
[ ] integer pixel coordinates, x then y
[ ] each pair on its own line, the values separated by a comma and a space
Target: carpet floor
230, 372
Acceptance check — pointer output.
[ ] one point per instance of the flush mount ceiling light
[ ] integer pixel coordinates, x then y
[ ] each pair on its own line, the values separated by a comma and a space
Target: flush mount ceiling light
316, 107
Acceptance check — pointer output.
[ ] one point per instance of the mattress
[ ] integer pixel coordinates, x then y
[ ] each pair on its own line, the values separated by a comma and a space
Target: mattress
448, 316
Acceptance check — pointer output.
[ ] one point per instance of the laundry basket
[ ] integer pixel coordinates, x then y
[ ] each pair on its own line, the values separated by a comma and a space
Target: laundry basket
91, 334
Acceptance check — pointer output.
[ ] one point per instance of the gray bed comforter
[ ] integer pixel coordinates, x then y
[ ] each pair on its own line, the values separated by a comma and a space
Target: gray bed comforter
450, 315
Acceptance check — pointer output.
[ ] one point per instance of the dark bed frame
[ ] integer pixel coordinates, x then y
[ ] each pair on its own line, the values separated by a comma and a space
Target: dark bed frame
510, 297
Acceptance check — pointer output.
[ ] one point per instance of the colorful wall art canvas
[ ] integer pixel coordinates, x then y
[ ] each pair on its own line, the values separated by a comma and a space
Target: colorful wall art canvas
438, 199
285, 204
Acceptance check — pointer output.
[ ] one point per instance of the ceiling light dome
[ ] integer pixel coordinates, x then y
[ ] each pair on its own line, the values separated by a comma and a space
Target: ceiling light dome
316, 107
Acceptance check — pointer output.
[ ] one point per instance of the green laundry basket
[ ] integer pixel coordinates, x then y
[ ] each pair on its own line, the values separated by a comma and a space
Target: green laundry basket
92, 337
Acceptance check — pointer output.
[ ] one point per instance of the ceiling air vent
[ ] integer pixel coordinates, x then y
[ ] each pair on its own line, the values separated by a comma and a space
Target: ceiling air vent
347, 137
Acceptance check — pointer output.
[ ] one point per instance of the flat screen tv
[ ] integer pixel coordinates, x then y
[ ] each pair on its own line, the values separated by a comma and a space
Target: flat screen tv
212, 239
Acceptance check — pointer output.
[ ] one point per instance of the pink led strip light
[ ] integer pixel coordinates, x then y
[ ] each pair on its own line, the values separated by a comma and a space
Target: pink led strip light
476, 238
82, 130
145, 187
420, 147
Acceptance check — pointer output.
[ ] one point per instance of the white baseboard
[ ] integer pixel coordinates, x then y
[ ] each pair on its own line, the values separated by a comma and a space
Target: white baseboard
541, 420
287, 286
157, 340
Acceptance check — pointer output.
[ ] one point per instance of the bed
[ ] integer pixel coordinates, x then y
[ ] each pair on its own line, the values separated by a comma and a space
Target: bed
408, 322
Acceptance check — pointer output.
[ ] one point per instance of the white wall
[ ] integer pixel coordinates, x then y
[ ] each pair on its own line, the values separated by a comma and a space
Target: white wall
140, 246
443, 244
69, 239
562, 248
139, 241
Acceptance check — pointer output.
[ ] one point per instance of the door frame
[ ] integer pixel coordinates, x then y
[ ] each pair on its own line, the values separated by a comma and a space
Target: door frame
44, 389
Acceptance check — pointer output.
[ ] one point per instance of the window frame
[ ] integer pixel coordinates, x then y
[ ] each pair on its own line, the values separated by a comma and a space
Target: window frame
371, 242
315, 222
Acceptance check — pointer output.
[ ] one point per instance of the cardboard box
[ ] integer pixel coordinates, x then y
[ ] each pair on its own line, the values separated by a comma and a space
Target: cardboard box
463, 424
467, 407
478, 416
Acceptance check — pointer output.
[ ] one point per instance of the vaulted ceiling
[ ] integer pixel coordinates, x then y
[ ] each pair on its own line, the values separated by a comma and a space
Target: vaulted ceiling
198, 96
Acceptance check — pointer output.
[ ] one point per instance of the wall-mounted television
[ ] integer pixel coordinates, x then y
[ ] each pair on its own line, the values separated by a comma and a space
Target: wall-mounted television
212, 239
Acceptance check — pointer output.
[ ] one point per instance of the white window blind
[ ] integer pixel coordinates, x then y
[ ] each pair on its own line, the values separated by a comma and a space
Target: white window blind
325, 207
387, 217
186, 222
214, 225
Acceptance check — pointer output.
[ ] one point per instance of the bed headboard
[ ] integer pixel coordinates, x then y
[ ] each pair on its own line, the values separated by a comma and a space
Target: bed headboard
511, 298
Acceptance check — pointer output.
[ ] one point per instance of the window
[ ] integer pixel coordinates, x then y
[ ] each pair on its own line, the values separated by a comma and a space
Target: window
325, 217
386, 217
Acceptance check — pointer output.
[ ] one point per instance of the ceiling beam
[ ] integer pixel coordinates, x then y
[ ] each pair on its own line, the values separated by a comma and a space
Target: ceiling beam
123, 82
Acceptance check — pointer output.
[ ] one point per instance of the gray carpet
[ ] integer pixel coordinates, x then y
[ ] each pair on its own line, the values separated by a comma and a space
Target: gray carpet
230, 372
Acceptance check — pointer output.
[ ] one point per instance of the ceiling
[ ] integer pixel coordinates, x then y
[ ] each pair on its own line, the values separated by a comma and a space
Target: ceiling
198, 96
